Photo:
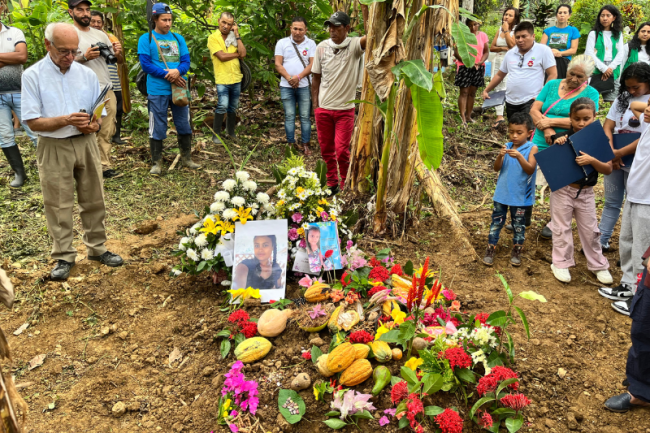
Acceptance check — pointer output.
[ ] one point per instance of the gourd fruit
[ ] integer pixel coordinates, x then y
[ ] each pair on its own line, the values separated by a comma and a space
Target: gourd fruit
382, 377
419, 343
357, 372
317, 292
322, 366
397, 354
381, 350
342, 320
362, 351
341, 357
252, 349
273, 322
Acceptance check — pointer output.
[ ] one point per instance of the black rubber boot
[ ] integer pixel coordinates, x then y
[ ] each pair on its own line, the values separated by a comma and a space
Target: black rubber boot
231, 121
16, 162
156, 147
216, 127
118, 130
185, 145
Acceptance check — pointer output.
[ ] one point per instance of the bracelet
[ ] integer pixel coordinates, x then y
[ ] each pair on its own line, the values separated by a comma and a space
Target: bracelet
239, 39
84, 57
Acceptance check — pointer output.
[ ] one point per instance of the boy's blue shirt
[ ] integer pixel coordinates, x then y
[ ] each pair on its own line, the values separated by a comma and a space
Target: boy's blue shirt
514, 186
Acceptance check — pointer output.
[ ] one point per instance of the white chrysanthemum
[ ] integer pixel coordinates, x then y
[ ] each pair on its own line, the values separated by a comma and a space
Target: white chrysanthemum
217, 206
254, 212
294, 206
226, 283
195, 228
201, 240
176, 272
293, 171
206, 254
478, 357
242, 176
249, 185
221, 196
282, 194
238, 201
229, 214
183, 241
311, 218
229, 184
191, 254
262, 197
269, 208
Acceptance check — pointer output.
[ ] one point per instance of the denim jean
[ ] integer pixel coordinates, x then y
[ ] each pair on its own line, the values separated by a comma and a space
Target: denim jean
8, 102
228, 98
615, 184
158, 106
291, 96
518, 218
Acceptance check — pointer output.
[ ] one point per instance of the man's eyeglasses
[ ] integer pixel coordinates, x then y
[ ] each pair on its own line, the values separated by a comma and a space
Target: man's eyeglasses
66, 53
521, 60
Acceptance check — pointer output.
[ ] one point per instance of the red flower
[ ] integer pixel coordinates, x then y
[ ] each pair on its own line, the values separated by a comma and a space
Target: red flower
378, 273
485, 420
399, 392
306, 355
346, 279
385, 319
457, 358
414, 406
504, 373
515, 401
376, 290
249, 329
351, 297
397, 270
239, 317
486, 385
374, 262
329, 253
482, 317
272, 301
449, 421
361, 337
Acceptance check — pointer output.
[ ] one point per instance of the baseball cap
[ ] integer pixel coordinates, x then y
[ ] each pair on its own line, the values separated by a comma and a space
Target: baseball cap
74, 3
338, 19
160, 8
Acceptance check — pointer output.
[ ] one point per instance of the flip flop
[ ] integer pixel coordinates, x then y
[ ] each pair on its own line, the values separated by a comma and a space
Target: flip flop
499, 122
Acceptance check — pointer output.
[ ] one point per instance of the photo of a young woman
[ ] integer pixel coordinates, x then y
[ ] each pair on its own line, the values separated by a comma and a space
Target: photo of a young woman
261, 272
316, 259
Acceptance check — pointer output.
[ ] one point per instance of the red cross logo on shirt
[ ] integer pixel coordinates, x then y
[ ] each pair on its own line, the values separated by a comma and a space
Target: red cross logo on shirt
530, 63
304, 52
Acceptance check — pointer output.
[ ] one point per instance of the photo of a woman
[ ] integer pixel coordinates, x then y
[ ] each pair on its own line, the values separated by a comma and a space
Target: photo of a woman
317, 260
261, 272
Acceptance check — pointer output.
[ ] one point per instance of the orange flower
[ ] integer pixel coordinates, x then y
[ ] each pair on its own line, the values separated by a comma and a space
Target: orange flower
337, 295
351, 297
455, 306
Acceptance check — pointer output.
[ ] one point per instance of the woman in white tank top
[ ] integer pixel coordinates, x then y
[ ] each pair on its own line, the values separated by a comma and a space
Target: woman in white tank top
502, 42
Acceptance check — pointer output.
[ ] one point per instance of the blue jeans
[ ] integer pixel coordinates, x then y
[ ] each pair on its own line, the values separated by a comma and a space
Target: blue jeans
8, 102
615, 184
290, 97
158, 105
518, 218
228, 98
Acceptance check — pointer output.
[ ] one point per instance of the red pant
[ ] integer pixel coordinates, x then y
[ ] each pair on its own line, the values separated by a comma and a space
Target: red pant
334, 129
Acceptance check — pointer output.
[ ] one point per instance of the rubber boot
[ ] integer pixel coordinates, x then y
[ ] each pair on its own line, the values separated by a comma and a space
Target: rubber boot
185, 144
231, 121
156, 156
16, 162
118, 130
216, 127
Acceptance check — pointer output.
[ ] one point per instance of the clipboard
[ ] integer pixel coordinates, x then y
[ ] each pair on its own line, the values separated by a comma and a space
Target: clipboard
100, 101
496, 99
558, 163
622, 140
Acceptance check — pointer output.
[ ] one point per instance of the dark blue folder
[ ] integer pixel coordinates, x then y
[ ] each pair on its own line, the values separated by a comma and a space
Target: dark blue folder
558, 163
622, 140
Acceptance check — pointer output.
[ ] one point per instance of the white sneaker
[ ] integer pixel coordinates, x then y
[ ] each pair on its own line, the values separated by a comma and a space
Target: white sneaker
604, 276
561, 274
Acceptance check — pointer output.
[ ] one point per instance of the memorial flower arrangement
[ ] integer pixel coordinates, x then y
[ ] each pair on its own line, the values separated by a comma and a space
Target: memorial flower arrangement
205, 245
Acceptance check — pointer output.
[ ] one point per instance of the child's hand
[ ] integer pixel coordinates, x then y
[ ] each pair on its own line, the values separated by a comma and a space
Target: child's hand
503, 151
514, 153
561, 140
585, 159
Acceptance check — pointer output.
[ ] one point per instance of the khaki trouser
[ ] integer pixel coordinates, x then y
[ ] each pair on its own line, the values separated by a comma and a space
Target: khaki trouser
61, 162
105, 135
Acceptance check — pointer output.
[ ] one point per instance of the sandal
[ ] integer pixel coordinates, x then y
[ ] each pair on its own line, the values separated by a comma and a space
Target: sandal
499, 122
305, 149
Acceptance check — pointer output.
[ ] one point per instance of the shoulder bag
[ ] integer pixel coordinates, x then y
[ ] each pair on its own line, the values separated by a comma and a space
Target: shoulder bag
180, 95
295, 47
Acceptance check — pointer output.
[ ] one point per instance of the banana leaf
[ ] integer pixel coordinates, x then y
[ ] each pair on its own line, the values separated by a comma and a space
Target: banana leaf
463, 37
429, 121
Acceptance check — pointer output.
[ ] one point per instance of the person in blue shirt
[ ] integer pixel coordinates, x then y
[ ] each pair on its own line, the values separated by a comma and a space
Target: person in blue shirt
562, 38
515, 189
159, 85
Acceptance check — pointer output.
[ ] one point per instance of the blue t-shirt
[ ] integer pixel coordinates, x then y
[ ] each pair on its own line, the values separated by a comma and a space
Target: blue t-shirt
514, 186
176, 54
561, 39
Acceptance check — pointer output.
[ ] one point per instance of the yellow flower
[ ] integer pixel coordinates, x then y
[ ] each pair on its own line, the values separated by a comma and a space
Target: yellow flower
243, 215
430, 273
245, 293
301, 231
281, 202
225, 407
211, 226
316, 393
398, 316
333, 217
323, 202
320, 210
300, 190
381, 331
414, 363
227, 227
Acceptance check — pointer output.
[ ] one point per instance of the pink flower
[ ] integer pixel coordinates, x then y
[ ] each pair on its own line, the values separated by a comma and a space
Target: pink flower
349, 244
234, 414
384, 421
233, 428
293, 234
297, 217
390, 412
324, 216
302, 244
305, 281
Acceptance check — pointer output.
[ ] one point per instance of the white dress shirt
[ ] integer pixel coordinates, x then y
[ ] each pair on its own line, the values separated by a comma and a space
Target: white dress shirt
590, 50
46, 93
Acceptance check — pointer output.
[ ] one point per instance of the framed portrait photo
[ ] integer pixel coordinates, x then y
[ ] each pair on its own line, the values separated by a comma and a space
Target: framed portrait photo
260, 258
322, 251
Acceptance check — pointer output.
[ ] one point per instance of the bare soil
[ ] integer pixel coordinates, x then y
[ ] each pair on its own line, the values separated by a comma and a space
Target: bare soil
108, 333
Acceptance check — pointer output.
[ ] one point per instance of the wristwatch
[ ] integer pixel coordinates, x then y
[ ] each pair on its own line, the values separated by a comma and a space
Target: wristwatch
84, 57
239, 39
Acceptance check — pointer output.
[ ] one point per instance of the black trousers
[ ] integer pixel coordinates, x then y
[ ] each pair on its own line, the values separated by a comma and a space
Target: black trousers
638, 358
522, 108
118, 99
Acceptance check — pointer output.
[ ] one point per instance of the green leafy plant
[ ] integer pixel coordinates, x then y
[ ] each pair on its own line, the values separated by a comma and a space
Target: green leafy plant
291, 406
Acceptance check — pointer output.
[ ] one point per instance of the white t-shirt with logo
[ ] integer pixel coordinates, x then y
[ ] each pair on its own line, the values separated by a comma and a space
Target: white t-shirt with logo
290, 60
10, 75
526, 75
638, 183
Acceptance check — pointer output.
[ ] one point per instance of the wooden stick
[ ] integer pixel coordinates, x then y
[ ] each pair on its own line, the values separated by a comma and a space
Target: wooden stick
178, 158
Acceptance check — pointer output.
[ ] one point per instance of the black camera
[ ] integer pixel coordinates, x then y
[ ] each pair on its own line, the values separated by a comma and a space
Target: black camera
105, 52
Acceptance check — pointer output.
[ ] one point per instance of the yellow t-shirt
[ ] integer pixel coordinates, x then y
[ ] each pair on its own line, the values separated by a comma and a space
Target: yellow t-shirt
224, 72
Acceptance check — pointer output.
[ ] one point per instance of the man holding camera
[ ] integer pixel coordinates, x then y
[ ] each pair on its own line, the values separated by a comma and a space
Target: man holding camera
96, 52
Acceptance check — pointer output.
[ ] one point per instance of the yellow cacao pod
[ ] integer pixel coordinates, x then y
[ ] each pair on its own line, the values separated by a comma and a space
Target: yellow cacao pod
342, 320
357, 372
362, 351
273, 322
317, 292
381, 350
341, 357
322, 366
252, 349
397, 354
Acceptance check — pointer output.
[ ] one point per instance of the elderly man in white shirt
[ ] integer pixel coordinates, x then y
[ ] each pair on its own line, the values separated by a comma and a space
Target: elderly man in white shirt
58, 95
294, 57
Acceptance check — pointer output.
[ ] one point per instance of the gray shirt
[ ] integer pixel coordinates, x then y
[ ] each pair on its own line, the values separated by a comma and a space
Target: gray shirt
10, 38
98, 65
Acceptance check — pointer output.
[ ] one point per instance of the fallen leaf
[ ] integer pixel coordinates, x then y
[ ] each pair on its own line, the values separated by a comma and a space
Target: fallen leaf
37, 361
176, 355
21, 329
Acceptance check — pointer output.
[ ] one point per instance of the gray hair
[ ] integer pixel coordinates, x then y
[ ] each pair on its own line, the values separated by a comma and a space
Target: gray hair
49, 30
227, 15
585, 62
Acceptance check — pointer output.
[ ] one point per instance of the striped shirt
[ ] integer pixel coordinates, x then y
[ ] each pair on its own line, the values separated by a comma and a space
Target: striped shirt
112, 69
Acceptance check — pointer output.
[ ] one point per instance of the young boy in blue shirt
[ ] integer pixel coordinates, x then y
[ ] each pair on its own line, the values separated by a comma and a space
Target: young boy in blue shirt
515, 189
